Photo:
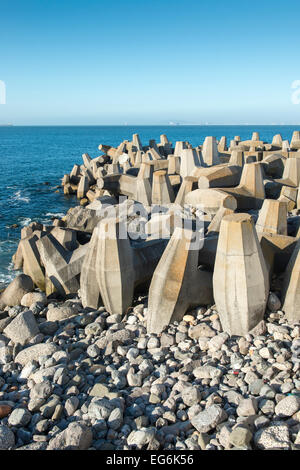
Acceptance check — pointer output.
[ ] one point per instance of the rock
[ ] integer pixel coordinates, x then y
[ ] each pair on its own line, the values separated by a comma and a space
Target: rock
191, 396
16, 290
115, 419
216, 342
201, 330
134, 379
61, 313
240, 436
247, 407
274, 303
287, 406
273, 437
22, 328
48, 328
259, 329
209, 418
19, 417
33, 353
100, 408
207, 372
4, 322
101, 391
153, 343
33, 297
141, 437
76, 436
4, 410
71, 405
41, 390
166, 340
7, 438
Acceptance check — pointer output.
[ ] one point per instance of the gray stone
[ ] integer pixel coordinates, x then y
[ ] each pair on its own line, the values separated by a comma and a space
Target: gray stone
22, 328
13, 294
209, 418
33, 353
76, 436
288, 406
273, 437
19, 417
7, 438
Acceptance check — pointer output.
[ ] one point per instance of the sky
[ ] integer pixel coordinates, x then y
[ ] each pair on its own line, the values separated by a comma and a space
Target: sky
90, 62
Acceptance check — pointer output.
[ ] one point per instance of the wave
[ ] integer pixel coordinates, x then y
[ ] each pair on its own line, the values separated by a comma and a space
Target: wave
7, 276
26, 221
17, 196
55, 214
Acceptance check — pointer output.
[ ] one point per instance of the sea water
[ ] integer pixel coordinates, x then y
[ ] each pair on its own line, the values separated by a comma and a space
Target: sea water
34, 159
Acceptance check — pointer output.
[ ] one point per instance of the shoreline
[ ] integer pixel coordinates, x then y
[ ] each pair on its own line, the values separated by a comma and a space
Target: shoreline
165, 363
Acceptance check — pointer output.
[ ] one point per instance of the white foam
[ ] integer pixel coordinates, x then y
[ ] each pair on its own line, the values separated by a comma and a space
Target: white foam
18, 197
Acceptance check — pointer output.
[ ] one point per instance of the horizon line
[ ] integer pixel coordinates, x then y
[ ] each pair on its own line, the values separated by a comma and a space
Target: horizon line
145, 125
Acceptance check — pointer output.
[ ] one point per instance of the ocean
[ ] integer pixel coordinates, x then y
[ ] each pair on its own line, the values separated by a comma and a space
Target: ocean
34, 159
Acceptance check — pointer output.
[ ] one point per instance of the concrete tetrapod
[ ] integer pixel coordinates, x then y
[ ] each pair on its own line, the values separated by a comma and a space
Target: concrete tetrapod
291, 287
62, 267
218, 176
177, 283
210, 152
250, 193
240, 279
272, 217
119, 266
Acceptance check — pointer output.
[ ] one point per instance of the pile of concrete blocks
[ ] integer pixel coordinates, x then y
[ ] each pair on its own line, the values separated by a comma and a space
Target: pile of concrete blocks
212, 224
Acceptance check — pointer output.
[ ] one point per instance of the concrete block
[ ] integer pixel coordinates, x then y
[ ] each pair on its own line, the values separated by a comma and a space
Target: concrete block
250, 193
210, 200
83, 187
189, 162
272, 217
210, 152
162, 191
291, 173
62, 267
188, 184
240, 279
218, 176
177, 284
237, 158
291, 287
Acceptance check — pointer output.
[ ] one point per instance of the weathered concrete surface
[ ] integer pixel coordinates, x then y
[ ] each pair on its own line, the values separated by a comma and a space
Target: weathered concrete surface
189, 162
214, 226
250, 193
210, 152
240, 279
162, 191
274, 165
114, 266
289, 196
62, 267
291, 173
210, 200
277, 251
291, 287
218, 176
188, 184
177, 284
272, 217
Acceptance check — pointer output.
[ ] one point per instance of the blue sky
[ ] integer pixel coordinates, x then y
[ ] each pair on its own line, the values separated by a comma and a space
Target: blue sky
149, 61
